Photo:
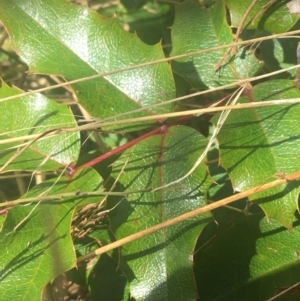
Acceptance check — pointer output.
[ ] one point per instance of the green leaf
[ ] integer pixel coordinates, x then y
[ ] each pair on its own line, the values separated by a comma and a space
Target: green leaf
160, 268
249, 261
196, 28
106, 275
40, 248
53, 43
275, 18
35, 114
256, 144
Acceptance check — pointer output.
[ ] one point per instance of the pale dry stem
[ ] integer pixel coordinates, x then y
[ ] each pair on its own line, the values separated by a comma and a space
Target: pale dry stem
248, 42
61, 196
284, 292
191, 214
242, 23
263, 9
104, 123
25, 218
217, 129
233, 49
20, 151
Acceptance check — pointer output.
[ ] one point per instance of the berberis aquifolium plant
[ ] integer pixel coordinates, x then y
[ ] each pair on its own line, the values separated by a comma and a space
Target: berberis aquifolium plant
149, 150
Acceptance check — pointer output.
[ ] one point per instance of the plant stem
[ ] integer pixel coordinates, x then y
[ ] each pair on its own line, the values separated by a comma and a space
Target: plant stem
118, 150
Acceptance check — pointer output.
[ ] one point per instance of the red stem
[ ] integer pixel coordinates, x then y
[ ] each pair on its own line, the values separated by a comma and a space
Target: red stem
161, 129
117, 150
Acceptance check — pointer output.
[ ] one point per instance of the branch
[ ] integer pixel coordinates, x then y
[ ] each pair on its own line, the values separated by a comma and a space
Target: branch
188, 215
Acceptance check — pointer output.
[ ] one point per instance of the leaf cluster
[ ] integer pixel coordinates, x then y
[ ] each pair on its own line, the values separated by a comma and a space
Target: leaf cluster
161, 134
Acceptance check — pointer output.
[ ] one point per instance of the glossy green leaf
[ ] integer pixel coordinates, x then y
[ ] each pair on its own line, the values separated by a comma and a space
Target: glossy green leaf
106, 274
53, 43
249, 261
196, 28
275, 18
35, 114
256, 144
40, 248
160, 268
102, 273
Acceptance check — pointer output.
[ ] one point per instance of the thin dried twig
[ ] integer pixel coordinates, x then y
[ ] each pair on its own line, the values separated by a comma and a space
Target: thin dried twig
219, 124
233, 49
241, 27
188, 215
263, 9
151, 63
284, 292
105, 122
27, 145
61, 196
242, 23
